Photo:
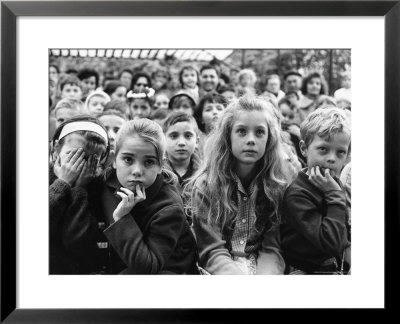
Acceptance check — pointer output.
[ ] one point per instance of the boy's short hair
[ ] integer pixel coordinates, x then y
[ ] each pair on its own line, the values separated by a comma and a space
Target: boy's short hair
72, 80
113, 112
87, 73
324, 123
209, 67
69, 103
179, 117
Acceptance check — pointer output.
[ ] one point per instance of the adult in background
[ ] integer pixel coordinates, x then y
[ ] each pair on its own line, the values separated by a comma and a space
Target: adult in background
209, 79
140, 82
293, 81
313, 87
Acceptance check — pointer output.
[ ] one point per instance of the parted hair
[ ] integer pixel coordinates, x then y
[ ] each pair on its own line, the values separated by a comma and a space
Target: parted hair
215, 178
150, 132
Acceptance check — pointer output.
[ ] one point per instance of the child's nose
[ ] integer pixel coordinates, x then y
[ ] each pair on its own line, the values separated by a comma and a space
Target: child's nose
136, 169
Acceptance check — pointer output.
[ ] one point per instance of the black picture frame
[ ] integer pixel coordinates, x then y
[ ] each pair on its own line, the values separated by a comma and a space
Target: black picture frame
11, 10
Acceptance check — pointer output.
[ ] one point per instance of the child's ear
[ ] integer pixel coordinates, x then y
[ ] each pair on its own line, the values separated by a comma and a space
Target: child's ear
303, 148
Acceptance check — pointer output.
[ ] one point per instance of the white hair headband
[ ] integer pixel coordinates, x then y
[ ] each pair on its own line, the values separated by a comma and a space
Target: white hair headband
83, 126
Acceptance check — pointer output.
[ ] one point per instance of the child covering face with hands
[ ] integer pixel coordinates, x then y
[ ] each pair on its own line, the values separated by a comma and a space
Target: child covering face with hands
79, 146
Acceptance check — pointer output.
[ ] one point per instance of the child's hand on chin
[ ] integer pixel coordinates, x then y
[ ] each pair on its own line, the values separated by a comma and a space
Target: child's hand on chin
129, 200
70, 168
325, 181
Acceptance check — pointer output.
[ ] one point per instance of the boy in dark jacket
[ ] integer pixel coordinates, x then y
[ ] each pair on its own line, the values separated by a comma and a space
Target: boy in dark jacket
315, 233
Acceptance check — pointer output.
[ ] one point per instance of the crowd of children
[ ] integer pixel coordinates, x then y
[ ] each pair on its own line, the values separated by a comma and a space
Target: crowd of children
215, 178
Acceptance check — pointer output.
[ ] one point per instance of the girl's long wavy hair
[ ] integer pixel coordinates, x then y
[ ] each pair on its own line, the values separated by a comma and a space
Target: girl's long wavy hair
214, 182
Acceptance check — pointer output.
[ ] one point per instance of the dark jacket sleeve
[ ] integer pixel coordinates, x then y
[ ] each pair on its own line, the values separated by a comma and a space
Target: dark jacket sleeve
72, 228
79, 226
59, 199
147, 253
327, 233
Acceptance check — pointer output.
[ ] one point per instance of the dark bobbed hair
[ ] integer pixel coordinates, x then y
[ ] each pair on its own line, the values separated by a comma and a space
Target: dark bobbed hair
212, 97
287, 74
112, 86
140, 75
94, 137
308, 78
188, 67
87, 73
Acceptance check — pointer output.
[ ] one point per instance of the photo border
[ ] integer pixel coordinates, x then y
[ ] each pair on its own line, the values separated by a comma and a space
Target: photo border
9, 13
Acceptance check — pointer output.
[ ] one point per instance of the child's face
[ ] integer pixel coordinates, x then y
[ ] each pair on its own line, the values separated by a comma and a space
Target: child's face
64, 114
161, 101
88, 85
126, 79
119, 94
185, 106
229, 95
76, 141
71, 91
136, 163
140, 84
330, 154
189, 78
112, 124
96, 105
288, 114
249, 138
314, 86
211, 113
293, 99
140, 108
181, 141
273, 85
209, 79
245, 80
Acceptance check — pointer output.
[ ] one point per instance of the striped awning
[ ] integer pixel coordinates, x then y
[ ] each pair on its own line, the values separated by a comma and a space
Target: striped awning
181, 54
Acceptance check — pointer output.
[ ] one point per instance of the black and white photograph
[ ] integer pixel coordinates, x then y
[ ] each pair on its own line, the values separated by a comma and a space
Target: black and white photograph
200, 161
195, 158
